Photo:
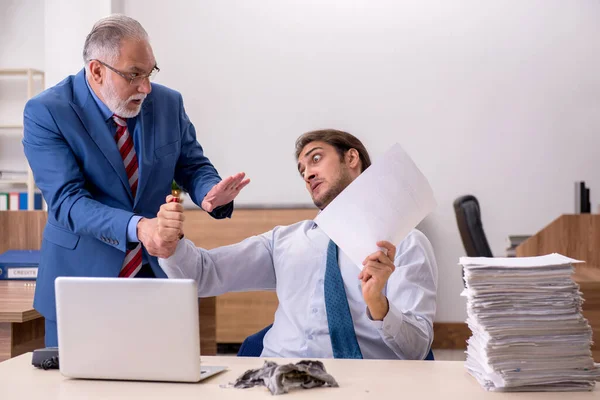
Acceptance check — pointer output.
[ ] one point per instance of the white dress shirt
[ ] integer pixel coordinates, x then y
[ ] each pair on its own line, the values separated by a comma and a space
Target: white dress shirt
291, 260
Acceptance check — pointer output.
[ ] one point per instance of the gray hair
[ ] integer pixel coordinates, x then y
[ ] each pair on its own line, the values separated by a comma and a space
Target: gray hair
104, 41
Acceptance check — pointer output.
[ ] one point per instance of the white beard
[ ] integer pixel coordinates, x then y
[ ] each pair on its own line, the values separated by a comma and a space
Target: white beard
118, 106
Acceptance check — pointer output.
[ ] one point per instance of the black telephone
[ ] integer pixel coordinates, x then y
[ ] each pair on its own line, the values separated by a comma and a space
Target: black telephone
46, 358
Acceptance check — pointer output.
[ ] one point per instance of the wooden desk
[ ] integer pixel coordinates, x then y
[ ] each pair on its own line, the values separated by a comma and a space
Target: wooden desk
358, 379
21, 327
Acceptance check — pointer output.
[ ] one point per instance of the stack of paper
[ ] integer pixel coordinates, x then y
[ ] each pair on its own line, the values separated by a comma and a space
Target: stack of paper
528, 330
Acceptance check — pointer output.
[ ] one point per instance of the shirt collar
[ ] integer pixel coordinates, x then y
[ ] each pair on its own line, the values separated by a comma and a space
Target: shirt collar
314, 225
106, 113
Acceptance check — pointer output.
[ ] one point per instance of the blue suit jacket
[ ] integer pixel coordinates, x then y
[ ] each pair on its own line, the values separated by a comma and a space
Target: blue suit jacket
79, 170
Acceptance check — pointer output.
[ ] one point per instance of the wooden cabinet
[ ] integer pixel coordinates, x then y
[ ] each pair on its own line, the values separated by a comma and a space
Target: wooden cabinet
239, 315
578, 237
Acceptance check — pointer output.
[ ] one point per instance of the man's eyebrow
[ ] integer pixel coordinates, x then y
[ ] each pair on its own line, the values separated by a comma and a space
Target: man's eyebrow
134, 68
308, 154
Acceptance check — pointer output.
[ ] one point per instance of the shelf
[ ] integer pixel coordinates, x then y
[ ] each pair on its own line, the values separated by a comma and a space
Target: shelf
11, 134
15, 181
11, 130
33, 78
20, 71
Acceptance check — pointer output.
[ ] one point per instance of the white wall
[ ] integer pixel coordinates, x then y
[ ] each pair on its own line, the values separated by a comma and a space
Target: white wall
21, 46
67, 23
22, 33
496, 98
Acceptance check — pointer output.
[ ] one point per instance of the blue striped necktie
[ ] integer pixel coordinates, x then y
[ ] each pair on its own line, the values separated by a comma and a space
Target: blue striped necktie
339, 319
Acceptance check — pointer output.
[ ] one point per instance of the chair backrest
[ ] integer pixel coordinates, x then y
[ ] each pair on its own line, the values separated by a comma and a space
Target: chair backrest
468, 218
253, 345
429, 356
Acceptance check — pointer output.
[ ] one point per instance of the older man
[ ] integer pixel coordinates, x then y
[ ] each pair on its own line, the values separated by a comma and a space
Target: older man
104, 146
327, 307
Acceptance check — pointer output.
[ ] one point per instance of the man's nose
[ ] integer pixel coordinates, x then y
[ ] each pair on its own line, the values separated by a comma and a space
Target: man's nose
309, 176
145, 87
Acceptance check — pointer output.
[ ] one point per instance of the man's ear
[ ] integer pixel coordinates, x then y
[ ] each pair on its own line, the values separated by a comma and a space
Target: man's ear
352, 158
96, 72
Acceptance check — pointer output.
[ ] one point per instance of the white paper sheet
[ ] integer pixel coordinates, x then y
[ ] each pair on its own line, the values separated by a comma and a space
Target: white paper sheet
535, 262
385, 202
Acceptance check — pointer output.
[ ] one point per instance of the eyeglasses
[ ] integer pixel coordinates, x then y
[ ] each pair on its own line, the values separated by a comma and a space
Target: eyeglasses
133, 77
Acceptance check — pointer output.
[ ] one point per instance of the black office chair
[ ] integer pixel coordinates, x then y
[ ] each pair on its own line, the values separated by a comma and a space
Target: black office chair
468, 218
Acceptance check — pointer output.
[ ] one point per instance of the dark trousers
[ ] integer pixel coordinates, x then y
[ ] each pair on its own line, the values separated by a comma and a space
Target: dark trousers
51, 336
145, 272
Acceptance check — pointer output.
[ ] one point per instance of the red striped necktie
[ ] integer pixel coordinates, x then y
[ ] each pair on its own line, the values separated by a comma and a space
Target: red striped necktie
133, 258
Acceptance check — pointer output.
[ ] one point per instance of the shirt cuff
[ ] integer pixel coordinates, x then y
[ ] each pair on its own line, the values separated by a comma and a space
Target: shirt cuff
132, 229
173, 265
377, 324
223, 211
391, 322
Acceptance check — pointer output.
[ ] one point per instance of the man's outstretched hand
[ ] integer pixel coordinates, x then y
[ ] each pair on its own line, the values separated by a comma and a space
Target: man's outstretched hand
224, 192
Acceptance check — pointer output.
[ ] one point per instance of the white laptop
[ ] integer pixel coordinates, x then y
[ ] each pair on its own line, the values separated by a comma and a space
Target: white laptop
129, 329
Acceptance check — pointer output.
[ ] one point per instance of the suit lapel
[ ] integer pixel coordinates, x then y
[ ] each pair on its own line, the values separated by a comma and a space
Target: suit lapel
93, 121
147, 146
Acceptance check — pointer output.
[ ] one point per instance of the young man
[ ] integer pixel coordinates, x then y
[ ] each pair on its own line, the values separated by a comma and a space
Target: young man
104, 146
327, 306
